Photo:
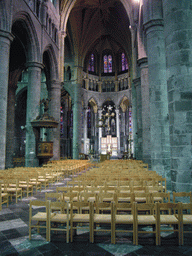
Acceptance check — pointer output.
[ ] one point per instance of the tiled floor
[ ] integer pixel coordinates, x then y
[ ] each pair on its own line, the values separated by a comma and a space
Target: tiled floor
14, 238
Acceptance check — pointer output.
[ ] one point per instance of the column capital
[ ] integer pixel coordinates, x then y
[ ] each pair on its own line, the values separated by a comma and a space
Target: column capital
153, 23
62, 33
143, 62
137, 81
6, 35
34, 64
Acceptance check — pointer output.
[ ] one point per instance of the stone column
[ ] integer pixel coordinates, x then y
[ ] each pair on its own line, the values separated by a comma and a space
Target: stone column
160, 145
55, 112
76, 121
134, 119
33, 108
133, 92
100, 129
10, 140
178, 43
145, 111
85, 131
5, 41
118, 131
139, 156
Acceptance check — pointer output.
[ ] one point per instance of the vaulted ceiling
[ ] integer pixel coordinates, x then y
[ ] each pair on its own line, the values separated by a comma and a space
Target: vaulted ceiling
98, 24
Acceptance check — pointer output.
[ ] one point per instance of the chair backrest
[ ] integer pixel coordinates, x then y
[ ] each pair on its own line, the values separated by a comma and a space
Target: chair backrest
121, 208
169, 209
163, 197
53, 196
40, 204
185, 197
60, 205
144, 209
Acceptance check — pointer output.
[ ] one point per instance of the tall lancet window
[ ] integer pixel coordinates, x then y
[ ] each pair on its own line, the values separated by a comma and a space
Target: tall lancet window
124, 64
107, 63
92, 63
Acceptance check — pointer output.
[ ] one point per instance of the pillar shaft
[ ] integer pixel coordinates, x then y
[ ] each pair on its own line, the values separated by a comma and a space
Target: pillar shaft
178, 43
160, 146
118, 131
10, 127
100, 129
76, 121
5, 40
55, 112
85, 131
137, 83
145, 111
33, 108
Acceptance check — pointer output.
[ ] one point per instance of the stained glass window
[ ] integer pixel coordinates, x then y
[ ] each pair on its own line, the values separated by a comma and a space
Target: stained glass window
107, 62
92, 63
124, 64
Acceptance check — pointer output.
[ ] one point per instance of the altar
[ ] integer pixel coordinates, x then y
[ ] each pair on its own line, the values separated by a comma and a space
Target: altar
109, 145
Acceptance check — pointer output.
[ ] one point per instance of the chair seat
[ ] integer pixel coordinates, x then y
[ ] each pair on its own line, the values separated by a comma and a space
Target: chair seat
41, 216
59, 217
168, 219
124, 219
140, 199
102, 218
187, 219
146, 219
80, 217
124, 199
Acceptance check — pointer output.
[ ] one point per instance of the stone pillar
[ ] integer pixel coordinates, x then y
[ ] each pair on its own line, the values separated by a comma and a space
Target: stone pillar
100, 129
76, 121
33, 108
61, 35
133, 92
55, 112
118, 131
85, 131
137, 83
10, 140
5, 40
145, 111
160, 145
178, 43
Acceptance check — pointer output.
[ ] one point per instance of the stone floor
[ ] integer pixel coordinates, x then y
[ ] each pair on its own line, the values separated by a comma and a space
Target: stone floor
14, 237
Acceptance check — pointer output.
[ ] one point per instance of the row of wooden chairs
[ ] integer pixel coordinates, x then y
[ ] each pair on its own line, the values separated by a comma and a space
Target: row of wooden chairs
22, 181
156, 216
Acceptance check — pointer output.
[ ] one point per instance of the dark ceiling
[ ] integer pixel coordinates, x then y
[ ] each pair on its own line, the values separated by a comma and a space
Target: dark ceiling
99, 24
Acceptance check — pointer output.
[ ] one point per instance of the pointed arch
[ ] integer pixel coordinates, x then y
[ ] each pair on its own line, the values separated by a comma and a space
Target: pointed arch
53, 64
32, 43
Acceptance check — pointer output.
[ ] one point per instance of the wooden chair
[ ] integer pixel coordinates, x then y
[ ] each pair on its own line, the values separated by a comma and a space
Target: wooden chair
141, 197
40, 217
11, 186
186, 219
26, 187
169, 214
78, 217
143, 218
120, 218
4, 198
162, 197
184, 197
35, 183
54, 197
60, 220
101, 218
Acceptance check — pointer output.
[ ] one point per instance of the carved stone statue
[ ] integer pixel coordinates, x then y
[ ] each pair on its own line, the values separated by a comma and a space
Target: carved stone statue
46, 104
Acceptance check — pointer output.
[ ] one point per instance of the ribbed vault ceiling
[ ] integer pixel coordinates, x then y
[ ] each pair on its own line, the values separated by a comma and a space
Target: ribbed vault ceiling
99, 24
